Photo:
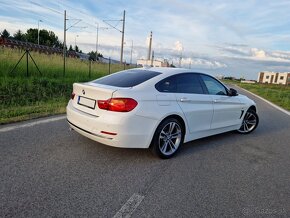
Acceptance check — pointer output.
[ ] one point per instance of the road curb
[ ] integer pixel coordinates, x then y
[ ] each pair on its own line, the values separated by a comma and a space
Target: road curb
270, 103
30, 123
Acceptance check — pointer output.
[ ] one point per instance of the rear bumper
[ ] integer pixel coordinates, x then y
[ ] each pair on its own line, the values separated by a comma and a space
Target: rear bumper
132, 131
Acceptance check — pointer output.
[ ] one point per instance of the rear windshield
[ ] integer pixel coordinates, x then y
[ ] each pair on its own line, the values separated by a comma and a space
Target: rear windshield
127, 78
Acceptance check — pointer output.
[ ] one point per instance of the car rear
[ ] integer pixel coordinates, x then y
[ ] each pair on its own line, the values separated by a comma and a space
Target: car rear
105, 110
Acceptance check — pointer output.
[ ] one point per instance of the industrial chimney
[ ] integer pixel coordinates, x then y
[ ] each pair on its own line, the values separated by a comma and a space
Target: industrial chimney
150, 45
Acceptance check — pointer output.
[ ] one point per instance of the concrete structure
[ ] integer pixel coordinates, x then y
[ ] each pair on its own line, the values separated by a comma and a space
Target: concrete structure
153, 63
248, 81
150, 46
274, 78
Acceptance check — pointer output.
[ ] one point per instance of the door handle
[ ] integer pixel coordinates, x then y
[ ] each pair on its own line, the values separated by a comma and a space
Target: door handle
184, 99
217, 101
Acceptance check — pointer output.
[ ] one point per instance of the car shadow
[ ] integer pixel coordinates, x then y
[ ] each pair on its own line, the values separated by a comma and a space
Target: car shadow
101, 150
206, 143
105, 151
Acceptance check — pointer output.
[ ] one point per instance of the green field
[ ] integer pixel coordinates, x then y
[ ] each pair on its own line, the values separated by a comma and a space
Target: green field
23, 97
277, 94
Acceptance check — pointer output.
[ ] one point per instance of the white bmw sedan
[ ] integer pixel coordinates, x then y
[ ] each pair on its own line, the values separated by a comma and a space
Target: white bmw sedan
157, 108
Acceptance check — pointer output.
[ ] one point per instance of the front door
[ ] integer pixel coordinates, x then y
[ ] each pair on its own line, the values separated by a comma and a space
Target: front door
227, 110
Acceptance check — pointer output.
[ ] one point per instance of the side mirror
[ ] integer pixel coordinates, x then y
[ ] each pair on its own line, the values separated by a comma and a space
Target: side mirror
233, 92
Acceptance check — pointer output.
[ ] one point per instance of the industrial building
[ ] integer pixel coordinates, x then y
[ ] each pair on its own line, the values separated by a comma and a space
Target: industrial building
153, 63
274, 78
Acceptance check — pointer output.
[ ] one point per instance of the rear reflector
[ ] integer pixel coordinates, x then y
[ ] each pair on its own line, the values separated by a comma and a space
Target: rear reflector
108, 133
72, 96
118, 104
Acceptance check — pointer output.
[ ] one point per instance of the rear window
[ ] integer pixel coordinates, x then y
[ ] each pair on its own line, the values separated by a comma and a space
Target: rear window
127, 78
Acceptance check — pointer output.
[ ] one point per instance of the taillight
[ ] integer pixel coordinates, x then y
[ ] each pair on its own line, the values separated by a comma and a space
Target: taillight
72, 96
118, 104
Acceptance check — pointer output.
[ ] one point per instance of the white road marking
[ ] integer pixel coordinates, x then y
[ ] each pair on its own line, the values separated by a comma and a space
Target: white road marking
48, 120
270, 103
129, 207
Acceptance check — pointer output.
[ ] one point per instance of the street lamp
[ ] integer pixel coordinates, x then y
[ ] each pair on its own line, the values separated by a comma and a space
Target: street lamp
76, 42
38, 31
97, 39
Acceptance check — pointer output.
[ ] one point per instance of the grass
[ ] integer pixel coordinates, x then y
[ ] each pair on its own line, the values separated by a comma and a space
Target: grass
51, 66
277, 94
23, 97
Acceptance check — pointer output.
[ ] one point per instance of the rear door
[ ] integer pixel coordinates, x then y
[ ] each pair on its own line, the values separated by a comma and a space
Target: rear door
227, 109
196, 106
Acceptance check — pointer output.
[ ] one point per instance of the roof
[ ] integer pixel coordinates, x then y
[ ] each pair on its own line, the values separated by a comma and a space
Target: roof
170, 70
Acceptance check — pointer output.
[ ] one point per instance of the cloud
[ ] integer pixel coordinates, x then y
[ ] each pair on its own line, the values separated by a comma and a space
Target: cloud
244, 52
178, 46
258, 53
202, 63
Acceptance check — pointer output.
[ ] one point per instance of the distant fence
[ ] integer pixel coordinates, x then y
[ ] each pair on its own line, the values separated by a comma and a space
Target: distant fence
14, 62
12, 43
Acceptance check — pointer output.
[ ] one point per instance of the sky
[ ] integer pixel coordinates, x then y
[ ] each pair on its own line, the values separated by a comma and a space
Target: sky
221, 37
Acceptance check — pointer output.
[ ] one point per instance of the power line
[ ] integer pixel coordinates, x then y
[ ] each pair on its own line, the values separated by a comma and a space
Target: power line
112, 26
37, 4
76, 10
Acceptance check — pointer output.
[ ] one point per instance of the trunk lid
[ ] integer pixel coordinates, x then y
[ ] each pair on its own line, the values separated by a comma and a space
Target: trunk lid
87, 96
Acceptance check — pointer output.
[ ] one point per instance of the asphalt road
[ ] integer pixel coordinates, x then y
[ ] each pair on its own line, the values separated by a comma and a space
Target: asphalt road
48, 171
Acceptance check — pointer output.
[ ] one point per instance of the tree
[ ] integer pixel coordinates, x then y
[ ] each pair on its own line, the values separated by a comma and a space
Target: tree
76, 48
70, 48
92, 56
31, 35
19, 36
53, 39
47, 38
5, 34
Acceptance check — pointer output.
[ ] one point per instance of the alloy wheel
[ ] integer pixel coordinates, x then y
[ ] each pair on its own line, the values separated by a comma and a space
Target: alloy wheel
170, 138
249, 123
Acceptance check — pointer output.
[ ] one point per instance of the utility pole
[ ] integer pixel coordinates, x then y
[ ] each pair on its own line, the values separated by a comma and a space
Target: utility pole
122, 43
131, 53
121, 31
64, 42
38, 32
64, 37
97, 41
150, 46
97, 38
152, 59
76, 42
180, 58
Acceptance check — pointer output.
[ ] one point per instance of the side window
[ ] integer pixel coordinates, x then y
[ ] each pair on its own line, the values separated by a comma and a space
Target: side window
167, 85
188, 83
213, 86
182, 83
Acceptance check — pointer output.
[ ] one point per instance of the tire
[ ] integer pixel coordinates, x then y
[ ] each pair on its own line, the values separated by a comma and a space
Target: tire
168, 138
250, 122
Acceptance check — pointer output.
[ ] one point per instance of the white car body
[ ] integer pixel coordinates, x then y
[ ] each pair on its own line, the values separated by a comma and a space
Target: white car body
202, 114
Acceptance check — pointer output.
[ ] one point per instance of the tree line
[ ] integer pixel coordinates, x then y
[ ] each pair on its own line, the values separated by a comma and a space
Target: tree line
47, 38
